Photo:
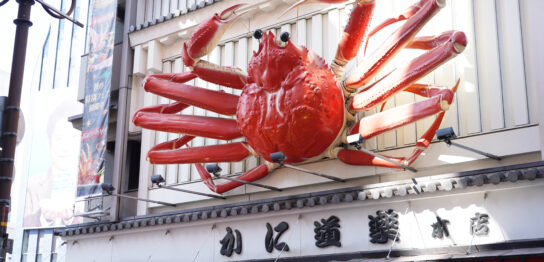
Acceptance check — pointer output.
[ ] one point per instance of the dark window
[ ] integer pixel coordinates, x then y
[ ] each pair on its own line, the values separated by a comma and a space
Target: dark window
133, 164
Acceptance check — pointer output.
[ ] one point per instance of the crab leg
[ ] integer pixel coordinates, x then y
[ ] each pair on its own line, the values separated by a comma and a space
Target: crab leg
162, 154
409, 12
431, 42
366, 127
204, 154
171, 86
379, 123
355, 157
394, 44
210, 127
254, 174
202, 42
353, 36
172, 144
165, 108
411, 72
220, 75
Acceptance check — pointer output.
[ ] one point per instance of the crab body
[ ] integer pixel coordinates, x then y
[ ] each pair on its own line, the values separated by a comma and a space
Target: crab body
293, 102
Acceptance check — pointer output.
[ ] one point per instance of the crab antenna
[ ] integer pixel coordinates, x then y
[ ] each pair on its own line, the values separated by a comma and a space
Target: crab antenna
295, 5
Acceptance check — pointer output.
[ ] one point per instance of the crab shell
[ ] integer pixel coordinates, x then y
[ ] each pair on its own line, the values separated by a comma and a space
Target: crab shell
291, 103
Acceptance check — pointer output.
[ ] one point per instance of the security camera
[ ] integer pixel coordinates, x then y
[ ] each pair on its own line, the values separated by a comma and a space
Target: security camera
108, 188
277, 157
157, 179
445, 134
213, 169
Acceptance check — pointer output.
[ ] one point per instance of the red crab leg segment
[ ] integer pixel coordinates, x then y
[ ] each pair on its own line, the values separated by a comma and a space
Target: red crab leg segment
171, 86
221, 75
165, 108
171, 145
430, 42
382, 122
202, 42
208, 34
404, 76
254, 174
205, 154
409, 12
394, 44
353, 35
210, 127
355, 157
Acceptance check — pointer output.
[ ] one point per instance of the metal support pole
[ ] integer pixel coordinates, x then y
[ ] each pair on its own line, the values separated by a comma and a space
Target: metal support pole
190, 192
11, 114
248, 182
475, 150
313, 173
142, 199
387, 159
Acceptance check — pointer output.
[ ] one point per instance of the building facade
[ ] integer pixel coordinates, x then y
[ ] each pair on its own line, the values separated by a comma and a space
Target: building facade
458, 205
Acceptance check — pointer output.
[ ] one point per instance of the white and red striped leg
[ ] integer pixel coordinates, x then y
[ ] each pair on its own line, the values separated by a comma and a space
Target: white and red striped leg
202, 42
409, 12
440, 99
431, 42
231, 152
172, 86
404, 76
392, 45
210, 127
166, 153
354, 35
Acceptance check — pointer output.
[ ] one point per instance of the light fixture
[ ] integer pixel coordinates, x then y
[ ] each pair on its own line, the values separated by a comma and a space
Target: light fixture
158, 179
279, 157
108, 189
215, 169
357, 139
447, 134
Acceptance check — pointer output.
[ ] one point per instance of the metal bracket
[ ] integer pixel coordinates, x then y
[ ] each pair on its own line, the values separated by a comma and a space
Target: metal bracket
16, 108
247, 182
5, 178
5, 201
190, 192
58, 14
8, 160
4, 134
337, 179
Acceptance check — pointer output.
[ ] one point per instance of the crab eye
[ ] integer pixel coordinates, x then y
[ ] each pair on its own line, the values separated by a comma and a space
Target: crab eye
284, 37
258, 34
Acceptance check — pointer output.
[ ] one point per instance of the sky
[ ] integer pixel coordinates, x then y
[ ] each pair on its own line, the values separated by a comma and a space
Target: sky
37, 31
8, 12
40, 20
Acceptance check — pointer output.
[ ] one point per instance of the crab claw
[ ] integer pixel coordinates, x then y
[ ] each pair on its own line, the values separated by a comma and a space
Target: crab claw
301, 2
206, 36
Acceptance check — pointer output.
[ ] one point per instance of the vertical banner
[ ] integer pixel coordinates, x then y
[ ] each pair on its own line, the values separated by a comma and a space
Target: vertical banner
97, 97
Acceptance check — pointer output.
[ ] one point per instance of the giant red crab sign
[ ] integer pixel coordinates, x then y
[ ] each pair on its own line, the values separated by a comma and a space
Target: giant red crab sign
292, 101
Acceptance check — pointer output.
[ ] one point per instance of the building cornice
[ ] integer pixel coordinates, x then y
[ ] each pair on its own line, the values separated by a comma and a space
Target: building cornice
397, 189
